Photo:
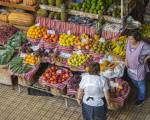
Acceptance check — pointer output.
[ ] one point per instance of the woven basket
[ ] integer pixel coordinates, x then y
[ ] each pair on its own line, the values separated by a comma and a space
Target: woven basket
118, 102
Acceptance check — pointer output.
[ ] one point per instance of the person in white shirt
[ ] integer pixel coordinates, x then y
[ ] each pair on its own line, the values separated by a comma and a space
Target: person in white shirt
93, 94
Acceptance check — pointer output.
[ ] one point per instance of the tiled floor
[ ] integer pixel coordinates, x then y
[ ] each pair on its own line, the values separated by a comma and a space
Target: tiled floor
20, 106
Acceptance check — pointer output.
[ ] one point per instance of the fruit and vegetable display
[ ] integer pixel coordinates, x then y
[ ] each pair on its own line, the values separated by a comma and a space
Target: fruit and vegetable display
120, 88
105, 65
77, 60
82, 21
17, 40
89, 6
6, 55
67, 40
145, 30
100, 47
6, 32
118, 46
54, 15
16, 66
55, 75
26, 19
73, 85
31, 59
50, 38
42, 13
27, 48
36, 32
84, 42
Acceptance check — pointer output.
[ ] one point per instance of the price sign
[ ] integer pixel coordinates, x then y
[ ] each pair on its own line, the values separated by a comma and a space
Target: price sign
35, 48
38, 24
51, 32
64, 55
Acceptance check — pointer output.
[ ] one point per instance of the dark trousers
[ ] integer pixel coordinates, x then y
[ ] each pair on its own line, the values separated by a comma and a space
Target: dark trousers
94, 113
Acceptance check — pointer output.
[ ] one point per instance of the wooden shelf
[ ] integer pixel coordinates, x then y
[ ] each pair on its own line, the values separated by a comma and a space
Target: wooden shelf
19, 6
80, 13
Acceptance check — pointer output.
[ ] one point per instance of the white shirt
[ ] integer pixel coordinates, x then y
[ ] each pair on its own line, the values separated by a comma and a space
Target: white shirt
93, 86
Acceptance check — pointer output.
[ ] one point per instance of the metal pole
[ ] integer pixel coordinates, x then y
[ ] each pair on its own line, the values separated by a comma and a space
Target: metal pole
122, 9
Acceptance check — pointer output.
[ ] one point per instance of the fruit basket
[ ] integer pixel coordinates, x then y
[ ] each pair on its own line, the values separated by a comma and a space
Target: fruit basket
111, 31
119, 94
78, 61
55, 77
73, 85
50, 41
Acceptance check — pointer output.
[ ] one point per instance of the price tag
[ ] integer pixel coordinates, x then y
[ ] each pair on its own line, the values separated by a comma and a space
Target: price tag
22, 55
84, 40
35, 48
38, 24
78, 52
64, 55
51, 32
102, 40
47, 50
69, 32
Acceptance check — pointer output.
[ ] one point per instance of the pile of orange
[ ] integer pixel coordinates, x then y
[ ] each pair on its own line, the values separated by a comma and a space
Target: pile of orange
31, 59
36, 32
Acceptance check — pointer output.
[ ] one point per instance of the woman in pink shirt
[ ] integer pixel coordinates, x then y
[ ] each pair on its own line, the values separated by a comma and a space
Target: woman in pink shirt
137, 53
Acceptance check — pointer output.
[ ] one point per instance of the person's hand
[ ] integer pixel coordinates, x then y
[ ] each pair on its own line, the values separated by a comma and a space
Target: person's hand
146, 59
79, 102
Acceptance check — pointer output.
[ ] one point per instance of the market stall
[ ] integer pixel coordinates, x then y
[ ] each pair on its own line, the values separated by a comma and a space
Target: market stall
66, 37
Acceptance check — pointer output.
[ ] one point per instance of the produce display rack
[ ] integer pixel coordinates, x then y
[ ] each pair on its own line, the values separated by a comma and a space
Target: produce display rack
19, 6
79, 13
46, 90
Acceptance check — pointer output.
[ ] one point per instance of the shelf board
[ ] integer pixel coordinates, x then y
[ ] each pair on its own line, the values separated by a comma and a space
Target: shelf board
19, 6
80, 13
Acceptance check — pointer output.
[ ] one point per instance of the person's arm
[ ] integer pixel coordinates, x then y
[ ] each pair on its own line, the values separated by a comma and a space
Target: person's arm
80, 92
146, 58
106, 92
145, 54
107, 97
79, 97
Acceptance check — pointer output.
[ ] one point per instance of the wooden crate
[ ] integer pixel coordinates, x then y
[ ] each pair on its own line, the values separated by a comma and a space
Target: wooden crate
58, 92
5, 76
23, 82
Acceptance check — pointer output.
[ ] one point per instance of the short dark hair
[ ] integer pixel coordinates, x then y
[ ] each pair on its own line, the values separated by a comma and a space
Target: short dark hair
94, 69
135, 33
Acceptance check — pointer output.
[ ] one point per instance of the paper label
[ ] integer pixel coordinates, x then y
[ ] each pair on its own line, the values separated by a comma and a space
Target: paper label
102, 40
38, 24
51, 32
69, 32
22, 55
84, 40
79, 52
64, 55
35, 48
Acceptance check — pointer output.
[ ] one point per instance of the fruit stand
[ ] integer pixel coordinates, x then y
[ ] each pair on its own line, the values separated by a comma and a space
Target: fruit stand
62, 40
